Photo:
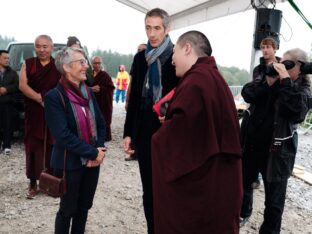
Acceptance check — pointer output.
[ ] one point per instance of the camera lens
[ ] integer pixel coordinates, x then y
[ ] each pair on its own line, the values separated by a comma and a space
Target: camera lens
270, 71
306, 68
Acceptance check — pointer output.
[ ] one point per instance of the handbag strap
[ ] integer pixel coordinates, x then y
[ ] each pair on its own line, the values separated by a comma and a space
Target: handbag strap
45, 145
65, 151
46, 137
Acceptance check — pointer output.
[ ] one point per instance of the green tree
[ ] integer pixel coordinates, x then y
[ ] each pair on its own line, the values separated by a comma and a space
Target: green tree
112, 60
227, 76
4, 41
234, 75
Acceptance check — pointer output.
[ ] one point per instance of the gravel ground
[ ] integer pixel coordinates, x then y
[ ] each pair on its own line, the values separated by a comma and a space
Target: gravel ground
117, 205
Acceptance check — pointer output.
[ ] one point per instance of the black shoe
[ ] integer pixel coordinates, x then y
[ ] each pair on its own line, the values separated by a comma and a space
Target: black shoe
242, 221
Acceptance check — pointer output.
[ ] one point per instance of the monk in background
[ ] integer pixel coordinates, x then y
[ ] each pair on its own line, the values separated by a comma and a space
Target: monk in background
196, 153
38, 75
103, 89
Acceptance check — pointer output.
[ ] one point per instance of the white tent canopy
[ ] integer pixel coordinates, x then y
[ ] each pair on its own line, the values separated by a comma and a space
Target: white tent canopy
184, 13
188, 12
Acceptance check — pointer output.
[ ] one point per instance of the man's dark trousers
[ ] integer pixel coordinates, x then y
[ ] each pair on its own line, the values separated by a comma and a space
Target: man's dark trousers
6, 126
255, 161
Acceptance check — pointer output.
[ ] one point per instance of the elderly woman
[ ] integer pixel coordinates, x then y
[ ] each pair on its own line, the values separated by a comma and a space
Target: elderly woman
277, 104
78, 128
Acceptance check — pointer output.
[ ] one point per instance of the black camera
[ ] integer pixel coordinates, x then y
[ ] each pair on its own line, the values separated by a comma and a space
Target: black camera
270, 71
305, 68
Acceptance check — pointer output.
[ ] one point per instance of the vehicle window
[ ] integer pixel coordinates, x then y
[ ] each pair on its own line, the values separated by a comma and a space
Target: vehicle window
20, 52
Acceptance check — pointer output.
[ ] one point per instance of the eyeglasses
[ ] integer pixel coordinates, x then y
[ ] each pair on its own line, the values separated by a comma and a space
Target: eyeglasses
83, 62
97, 63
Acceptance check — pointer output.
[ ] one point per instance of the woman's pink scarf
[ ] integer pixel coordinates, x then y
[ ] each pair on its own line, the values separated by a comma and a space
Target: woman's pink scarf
83, 109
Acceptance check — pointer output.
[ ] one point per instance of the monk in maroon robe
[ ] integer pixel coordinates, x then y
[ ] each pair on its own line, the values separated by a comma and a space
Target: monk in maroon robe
38, 75
196, 154
103, 89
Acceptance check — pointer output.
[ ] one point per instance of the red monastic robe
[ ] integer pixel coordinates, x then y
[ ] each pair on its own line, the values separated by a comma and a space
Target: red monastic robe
196, 157
105, 99
41, 79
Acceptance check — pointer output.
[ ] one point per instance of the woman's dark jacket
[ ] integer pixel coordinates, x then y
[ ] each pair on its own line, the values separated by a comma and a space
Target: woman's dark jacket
287, 104
62, 125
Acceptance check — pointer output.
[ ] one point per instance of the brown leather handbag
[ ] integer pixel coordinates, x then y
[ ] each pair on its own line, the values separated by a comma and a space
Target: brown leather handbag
50, 184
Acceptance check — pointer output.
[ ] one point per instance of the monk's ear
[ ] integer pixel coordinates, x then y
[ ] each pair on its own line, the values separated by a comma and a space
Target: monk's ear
188, 48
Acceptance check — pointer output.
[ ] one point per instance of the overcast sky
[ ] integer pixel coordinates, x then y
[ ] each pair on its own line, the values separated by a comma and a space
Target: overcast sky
110, 25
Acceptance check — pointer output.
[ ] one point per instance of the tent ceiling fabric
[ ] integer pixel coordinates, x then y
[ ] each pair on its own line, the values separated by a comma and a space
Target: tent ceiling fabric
188, 12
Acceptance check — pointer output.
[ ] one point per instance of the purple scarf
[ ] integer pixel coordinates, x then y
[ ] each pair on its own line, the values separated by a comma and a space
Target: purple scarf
82, 105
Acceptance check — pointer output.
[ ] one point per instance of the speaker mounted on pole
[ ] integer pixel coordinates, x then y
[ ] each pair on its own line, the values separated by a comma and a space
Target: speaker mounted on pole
268, 24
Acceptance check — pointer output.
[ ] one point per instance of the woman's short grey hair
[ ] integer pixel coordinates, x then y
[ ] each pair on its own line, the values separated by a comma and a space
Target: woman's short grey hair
297, 55
65, 56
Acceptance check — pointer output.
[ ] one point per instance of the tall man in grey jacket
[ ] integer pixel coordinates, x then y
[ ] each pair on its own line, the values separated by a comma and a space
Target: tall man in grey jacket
8, 86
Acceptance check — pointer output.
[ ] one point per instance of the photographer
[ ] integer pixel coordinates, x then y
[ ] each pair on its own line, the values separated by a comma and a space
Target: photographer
269, 138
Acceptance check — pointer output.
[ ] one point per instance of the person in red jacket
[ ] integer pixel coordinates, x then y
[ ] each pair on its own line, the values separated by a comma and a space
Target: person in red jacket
122, 81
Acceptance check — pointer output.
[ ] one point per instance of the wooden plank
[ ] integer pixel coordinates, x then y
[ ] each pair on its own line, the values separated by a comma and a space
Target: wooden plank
297, 171
301, 173
299, 167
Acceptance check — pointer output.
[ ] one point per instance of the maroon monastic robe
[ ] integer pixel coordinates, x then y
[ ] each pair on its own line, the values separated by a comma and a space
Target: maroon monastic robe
196, 157
41, 79
105, 99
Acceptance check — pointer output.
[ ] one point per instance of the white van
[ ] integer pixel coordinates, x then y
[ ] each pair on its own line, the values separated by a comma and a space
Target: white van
19, 51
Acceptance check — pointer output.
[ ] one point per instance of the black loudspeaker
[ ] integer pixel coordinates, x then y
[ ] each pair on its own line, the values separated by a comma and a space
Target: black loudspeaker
268, 24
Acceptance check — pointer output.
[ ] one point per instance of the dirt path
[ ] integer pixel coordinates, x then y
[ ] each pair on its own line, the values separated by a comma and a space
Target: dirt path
117, 205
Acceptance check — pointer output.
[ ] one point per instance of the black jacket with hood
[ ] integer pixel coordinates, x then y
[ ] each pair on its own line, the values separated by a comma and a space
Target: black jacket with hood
282, 106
